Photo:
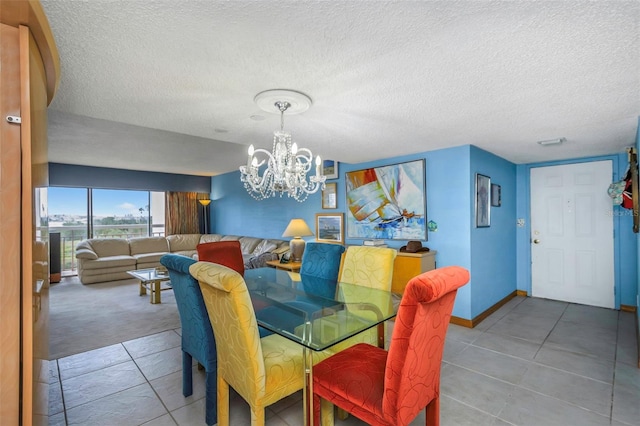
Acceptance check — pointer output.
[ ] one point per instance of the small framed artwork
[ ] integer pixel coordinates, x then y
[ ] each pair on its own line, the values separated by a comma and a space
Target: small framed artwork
496, 196
330, 169
330, 227
483, 213
329, 196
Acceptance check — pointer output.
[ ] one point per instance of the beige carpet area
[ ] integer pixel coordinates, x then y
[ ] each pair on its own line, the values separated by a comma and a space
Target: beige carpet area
86, 317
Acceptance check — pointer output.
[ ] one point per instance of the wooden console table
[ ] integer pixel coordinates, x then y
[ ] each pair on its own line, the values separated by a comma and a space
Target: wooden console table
291, 266
408, 265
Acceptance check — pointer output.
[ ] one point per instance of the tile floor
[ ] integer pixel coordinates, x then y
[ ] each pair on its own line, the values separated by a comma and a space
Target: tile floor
533, 362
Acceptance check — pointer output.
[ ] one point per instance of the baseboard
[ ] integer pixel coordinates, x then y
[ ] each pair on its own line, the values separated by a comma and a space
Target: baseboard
522, 293
628, 308
478, 319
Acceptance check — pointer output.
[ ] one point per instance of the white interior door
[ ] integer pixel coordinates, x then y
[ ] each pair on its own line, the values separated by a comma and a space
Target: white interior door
572, 233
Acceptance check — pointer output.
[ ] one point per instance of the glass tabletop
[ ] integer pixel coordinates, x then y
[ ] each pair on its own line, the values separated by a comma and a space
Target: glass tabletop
315, 312
150, 274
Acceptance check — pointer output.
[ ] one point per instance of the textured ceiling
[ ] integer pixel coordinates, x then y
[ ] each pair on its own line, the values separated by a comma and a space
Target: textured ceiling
386, 78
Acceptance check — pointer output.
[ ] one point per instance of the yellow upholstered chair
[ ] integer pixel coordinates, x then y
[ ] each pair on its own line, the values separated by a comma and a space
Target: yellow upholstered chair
262, 371
367, 267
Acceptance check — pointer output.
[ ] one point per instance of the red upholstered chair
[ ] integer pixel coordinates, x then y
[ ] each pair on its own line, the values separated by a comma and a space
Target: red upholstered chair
225, 253
391, 388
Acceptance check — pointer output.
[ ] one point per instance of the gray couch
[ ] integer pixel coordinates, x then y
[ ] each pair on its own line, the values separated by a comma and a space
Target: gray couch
109, 259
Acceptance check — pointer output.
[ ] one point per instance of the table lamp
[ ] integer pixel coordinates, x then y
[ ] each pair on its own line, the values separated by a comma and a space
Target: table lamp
297, 228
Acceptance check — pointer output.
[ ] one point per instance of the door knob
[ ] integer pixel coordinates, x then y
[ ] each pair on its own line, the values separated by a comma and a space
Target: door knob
536, 241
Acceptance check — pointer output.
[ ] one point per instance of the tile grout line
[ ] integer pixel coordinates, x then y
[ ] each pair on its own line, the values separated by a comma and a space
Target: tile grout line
615, 363
150, 385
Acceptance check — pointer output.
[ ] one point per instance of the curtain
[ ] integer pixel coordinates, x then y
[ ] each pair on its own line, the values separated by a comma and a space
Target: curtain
183, 212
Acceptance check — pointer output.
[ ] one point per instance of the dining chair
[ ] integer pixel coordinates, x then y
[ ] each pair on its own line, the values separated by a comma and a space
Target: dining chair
368, 267
391, 387
322, 260
197, 335
262, 371
227, 253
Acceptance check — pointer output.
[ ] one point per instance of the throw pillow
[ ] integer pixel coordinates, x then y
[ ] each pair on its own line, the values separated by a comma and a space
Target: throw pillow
263, 247
225, 253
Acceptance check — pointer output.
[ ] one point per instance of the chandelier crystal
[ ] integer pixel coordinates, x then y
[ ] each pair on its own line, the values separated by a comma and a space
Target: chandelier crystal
286, 169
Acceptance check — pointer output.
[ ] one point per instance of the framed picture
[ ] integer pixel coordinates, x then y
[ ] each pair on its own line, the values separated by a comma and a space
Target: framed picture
330, 227
387, 202
483, 213
496, 196
329, 196
330, 169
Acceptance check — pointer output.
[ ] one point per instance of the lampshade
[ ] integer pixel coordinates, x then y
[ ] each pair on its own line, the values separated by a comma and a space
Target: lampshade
297, 228
204, 202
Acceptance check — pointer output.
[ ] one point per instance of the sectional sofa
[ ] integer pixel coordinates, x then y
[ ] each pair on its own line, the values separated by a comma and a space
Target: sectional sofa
109, 259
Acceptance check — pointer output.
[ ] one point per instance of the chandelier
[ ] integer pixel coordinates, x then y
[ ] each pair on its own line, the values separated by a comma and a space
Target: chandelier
287, 165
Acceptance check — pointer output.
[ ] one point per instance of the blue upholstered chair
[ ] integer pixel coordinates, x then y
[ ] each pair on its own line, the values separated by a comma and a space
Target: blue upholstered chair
321, 260
197, 334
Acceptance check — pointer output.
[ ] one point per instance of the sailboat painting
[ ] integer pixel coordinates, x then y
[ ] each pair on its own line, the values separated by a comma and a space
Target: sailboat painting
387, 202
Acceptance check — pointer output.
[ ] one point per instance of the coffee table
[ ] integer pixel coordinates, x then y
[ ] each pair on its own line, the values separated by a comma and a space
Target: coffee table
152, 280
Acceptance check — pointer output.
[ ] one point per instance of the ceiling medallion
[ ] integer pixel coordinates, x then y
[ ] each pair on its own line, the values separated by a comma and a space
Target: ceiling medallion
286, 165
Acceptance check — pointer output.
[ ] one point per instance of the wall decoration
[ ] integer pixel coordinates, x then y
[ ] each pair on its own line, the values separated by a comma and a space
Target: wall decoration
330, 227
330, 169
483, 213
387, 202
330, 196
496, 195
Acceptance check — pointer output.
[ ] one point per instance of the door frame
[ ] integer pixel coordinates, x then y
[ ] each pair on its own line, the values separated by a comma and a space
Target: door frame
523, 210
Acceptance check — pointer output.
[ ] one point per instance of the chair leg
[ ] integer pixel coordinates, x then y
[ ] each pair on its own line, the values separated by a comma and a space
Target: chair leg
187, 379
326, 412
342, 415
257, 416
433, 412
223, 402
211, 394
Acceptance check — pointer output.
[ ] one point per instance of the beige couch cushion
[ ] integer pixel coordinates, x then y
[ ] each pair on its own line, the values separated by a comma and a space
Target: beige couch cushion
249, 244
210, 238
148, 258
183, 242
145, 245
263, 247
110, 262
106, 247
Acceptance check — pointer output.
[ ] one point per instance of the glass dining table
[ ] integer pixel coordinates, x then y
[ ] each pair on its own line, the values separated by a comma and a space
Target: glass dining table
316, 313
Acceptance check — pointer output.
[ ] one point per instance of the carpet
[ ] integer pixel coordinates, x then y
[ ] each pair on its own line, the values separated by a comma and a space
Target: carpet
87, 317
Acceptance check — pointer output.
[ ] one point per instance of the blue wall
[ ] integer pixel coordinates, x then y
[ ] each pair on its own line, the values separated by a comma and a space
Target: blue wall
498, 256
107, 178
450, 180
493, 254
625, 243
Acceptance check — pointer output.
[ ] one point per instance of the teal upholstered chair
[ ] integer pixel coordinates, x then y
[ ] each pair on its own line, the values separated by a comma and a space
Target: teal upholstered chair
197, 334
318, 276
322, 260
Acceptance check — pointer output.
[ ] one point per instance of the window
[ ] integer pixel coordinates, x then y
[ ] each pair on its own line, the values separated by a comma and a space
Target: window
79, 213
